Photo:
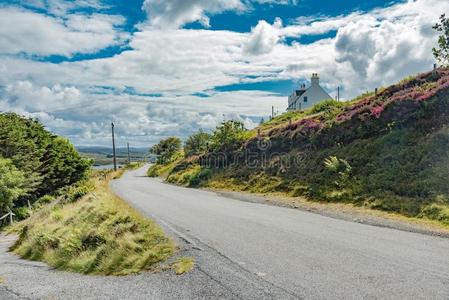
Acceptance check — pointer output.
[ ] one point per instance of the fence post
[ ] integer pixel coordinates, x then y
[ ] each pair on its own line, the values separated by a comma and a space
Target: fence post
10, 217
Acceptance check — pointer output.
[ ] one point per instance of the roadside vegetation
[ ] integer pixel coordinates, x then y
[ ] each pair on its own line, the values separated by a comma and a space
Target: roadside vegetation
34, 163
385, 150
89, 230
70, 219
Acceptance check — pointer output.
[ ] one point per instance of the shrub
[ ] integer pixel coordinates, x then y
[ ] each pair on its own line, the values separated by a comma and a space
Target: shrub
197, 144
11, 185
326, 105
166, 149
228, 136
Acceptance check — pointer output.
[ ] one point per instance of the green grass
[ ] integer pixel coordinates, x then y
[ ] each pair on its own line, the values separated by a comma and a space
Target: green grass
183, 265
97, 234
164, 170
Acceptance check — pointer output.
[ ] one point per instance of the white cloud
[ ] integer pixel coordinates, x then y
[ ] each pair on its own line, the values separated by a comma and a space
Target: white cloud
176, 13
370, 49
263, 37
23, 31
61, 7
278, 2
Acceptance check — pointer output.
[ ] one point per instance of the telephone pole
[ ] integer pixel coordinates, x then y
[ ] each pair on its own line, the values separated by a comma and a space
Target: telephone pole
129, 156
113, 147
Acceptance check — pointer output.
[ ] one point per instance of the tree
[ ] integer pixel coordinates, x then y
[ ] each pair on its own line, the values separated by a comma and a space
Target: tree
228, 136
11, 185
166, 149
49, 162
441, 53
197, 143
64, 166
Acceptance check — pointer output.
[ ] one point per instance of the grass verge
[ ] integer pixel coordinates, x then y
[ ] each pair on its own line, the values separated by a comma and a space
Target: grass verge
97, 234
183, 265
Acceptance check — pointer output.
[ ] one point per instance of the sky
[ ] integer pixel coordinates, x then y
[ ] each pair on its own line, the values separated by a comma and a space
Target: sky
159, 68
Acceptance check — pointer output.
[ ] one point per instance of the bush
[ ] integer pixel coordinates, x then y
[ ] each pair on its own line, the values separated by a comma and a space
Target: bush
166, 149
326, 105
197, 144
11, 185
49, 162
228, 136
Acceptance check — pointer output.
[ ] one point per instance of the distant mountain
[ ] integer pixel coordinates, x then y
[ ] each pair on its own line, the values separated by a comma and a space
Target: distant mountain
107, 151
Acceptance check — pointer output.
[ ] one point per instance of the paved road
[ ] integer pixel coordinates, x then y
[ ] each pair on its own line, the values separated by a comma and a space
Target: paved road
275, 252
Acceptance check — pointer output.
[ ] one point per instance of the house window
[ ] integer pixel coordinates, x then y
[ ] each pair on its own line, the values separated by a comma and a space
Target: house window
305, 99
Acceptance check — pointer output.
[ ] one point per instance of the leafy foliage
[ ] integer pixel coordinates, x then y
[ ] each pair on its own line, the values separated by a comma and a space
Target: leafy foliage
47, 161
197, 144
340, 167
166, 149
11, 185
326, 105
228, 136
441, 53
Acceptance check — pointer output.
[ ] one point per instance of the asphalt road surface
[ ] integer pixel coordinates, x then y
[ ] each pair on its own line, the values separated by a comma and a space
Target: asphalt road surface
246, 250
259, 251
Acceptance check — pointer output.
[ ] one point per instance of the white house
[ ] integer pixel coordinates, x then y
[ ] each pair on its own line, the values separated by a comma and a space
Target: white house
305, 98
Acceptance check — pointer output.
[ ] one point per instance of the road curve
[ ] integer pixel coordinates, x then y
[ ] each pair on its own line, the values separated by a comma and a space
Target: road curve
292, 253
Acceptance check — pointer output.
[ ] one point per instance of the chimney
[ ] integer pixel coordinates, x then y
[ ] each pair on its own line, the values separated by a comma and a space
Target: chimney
315, 79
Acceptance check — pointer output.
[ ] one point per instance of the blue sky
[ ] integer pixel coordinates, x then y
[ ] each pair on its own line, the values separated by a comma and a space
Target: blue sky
170, 67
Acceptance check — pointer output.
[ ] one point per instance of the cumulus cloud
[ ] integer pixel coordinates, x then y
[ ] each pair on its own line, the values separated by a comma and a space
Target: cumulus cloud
80, 99
23, 31
388, 44
263, 37
27, 96
176, 13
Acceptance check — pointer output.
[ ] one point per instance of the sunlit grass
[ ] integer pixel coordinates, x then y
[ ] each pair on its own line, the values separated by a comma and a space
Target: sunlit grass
183, 265
98, 234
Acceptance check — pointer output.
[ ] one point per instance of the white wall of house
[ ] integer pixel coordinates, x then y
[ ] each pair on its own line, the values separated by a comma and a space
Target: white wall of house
314, 94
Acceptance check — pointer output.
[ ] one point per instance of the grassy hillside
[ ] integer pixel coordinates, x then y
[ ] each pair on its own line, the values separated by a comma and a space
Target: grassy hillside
92, 231
387, 151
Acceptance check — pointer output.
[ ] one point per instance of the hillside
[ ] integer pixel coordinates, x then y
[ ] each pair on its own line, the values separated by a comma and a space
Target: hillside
387, 151
103, 155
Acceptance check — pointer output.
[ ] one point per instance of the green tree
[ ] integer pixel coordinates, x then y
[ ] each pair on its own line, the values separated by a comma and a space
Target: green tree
166, 149
64, 166
228, 136
441, 53
11, 185
197, 143
49, 162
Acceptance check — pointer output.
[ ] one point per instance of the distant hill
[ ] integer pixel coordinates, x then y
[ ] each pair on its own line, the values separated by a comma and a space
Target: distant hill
103, 155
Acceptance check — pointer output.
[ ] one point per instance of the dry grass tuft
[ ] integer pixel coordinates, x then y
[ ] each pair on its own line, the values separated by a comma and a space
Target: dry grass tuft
98, 234
183, 265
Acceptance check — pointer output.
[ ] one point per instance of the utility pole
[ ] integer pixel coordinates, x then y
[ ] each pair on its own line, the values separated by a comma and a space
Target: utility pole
129, 156
113, 147
272, 112
338, 93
